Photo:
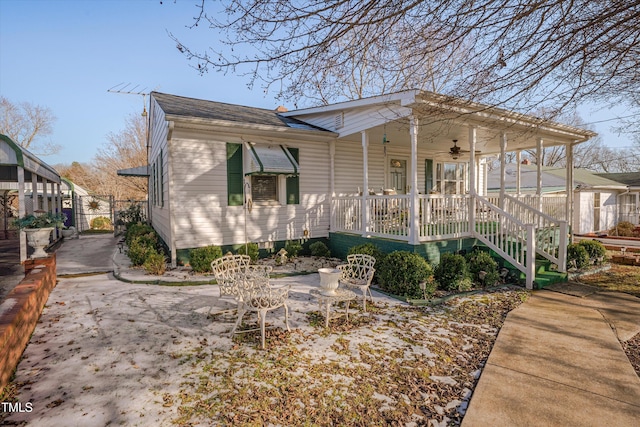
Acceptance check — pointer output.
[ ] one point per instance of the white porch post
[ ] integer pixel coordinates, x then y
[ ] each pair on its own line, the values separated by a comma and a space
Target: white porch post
518, 170
59, 205
569, 190
472, 179
503, 167
22, 211
45, 195
34, 193
539, 153
332, 184
414, 226
365, 182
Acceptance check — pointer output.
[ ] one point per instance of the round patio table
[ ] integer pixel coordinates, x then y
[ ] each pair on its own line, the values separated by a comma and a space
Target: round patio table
326, 301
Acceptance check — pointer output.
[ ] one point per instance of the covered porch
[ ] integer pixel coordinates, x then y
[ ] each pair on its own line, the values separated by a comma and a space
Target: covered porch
22, 174
412, 167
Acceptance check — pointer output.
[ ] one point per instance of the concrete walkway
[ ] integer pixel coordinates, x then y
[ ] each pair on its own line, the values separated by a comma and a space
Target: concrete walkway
558, 361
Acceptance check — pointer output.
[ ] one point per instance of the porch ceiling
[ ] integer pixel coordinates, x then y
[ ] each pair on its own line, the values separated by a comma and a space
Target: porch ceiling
437, 135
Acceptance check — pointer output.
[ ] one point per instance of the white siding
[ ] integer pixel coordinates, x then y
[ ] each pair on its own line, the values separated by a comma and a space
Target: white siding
158, 132
584, 211
199, 194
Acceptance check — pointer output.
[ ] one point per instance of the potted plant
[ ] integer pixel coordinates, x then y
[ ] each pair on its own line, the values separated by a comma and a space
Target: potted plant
38, 227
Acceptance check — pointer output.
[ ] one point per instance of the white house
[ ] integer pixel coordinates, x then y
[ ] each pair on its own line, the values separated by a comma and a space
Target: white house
406, 170
600, 202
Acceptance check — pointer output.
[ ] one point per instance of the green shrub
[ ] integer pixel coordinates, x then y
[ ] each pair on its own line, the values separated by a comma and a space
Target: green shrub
368, 249
401, 272
154, 263
138, 250
250, 249
200, 258
132, 215
594, 248
293, 248
452, 272
136, 230
577, 256
319, 249
478, 261
623, 228
100, 223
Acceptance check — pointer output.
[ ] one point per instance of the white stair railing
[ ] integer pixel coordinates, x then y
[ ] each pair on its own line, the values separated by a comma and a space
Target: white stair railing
506, 235
550, 233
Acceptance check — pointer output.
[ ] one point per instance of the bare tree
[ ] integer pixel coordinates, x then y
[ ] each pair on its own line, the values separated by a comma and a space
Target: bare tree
124, 149
27, 124
552, 52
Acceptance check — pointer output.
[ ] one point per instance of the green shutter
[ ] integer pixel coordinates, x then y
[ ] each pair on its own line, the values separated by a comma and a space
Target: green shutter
293, 182
234, 175
428, 176
161, 180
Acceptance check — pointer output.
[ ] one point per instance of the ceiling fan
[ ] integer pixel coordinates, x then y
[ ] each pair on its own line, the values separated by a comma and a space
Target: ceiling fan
455, 152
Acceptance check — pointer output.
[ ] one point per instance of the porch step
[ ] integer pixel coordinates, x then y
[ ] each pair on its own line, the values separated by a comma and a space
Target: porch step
545, 276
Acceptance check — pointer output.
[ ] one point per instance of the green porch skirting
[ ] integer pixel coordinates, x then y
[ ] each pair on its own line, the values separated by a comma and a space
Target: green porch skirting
339, 243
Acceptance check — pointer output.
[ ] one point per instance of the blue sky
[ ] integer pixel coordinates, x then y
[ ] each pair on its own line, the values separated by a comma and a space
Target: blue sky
66, 54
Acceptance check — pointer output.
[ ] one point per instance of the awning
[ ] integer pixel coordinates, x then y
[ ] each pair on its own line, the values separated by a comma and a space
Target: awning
271, 159
137, 171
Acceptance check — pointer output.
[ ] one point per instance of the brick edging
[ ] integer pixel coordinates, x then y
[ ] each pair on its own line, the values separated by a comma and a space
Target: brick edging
20, 311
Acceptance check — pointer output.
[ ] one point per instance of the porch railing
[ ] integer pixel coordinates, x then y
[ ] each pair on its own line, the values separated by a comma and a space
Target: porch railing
443, 216
389, 216
553, 205
347, 214
506, 235
550, 233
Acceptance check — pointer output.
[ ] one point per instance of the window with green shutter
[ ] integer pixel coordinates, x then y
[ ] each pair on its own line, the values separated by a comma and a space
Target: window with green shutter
293, 182
428, 176
235, 180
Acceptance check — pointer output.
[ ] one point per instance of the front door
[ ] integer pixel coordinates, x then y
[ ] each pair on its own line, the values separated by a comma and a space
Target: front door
398, 175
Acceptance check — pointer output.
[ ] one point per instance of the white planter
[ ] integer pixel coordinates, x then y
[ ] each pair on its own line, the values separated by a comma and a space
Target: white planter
38, 239
329, 280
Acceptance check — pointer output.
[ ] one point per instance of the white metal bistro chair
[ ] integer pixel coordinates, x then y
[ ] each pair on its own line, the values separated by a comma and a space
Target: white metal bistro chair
358, 273
258, 295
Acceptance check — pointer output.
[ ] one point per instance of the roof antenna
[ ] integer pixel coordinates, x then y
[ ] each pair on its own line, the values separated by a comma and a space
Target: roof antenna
124, 88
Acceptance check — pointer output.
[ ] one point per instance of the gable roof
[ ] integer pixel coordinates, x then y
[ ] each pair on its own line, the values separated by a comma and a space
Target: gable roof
631, 179
180, 106
553, 179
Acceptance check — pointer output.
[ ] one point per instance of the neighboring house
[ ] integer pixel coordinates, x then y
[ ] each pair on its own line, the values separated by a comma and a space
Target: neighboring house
597, 197
22, 172
405, 170
629, 201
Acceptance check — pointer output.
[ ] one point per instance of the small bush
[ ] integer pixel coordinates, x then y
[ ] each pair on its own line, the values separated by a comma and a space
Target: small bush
577, 256
452, 272
293, 248
250, 249
139, 248
136, 230
155, 263
623, 229
319, 249
478, 261
401, 272
200, 258
594, 248
368, 249
132, 215
100, 223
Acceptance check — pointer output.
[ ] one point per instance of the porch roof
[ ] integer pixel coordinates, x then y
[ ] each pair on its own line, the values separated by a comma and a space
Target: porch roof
553, 179
13, 156
441, 119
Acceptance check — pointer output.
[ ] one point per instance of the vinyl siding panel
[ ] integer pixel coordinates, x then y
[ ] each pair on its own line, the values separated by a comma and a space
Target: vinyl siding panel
158, 132
203, 217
